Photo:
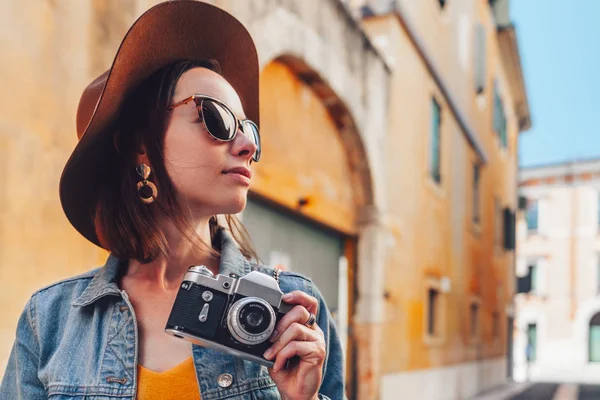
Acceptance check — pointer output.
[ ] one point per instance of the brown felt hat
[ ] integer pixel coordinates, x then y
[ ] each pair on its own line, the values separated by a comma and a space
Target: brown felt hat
168, 32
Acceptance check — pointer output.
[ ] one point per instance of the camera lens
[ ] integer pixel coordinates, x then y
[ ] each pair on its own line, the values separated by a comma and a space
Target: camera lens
254, 319
251, 320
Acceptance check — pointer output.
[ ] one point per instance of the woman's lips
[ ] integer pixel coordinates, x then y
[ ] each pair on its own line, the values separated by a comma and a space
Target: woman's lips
240, 170
241, 175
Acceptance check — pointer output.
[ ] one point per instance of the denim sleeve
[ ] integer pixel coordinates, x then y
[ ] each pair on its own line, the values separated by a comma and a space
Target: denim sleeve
21, 380
332, 386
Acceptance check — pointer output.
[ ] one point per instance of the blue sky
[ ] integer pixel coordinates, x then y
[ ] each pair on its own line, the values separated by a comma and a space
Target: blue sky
559, 43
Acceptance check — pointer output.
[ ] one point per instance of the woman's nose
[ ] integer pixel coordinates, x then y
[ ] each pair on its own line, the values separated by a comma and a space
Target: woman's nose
243, 146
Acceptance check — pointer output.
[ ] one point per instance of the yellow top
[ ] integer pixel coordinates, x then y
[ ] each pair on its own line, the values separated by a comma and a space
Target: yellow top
178, 383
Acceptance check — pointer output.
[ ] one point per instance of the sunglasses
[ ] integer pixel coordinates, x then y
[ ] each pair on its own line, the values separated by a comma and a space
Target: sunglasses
220, 122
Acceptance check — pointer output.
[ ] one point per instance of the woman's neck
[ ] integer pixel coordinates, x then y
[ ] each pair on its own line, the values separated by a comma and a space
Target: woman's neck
165, 273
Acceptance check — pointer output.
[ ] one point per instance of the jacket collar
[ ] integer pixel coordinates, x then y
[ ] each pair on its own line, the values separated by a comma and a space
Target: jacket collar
104, 282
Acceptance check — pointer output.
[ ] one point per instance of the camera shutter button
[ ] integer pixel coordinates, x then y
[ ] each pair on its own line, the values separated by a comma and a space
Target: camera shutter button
225, 380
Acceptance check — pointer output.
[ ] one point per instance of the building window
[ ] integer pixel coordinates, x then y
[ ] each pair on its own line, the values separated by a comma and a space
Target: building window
531, 350
435, 167
498, 224
532, 215
496, 324
476, 194
499, 117
480, 58
432, 312
594, 351
474, 311
533, 276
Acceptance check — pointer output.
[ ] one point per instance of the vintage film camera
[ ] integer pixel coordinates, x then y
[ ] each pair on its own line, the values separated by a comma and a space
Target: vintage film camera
226, 313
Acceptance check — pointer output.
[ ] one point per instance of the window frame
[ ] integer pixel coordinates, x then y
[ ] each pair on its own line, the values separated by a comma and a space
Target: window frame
496, 328
533, 270
435, 145
536, 229
498, 226
535, 345
499, 117
439, 335
474, 320
594, 322
476, 188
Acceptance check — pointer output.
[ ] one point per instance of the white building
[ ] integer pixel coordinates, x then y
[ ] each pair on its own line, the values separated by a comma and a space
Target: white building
558, 268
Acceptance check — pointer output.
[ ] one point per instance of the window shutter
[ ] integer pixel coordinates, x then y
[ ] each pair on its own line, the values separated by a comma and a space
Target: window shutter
480, 58
496, 111
509, 229
543, 222
524, 284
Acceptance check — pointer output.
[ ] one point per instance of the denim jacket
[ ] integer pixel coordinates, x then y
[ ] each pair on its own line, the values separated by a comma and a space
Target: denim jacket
78, 339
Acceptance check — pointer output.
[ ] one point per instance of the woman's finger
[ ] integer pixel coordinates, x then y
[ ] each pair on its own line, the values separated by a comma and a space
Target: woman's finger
303, 299
297, 314
296, 332
310, 352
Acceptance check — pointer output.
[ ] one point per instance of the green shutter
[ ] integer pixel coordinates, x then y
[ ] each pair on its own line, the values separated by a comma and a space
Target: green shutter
503, 133
435, 167
595, 343
532, 215
533, 271
532, 341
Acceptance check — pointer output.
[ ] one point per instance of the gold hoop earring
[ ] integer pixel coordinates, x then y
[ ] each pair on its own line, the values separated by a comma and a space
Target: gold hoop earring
146, 190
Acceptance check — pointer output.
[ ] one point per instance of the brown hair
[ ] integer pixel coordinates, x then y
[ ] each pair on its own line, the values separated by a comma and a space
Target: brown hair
125, 225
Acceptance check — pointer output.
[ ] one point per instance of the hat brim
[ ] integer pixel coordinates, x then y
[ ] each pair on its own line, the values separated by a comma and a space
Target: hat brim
166, 33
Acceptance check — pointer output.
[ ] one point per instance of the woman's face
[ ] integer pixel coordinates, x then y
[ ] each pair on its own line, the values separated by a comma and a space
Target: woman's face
196, 162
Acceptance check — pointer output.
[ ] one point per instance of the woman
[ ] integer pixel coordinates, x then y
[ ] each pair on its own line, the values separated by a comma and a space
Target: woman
167, 137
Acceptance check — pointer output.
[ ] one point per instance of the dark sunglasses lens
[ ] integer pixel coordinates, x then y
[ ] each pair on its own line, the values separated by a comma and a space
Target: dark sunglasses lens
251, 131
219, 122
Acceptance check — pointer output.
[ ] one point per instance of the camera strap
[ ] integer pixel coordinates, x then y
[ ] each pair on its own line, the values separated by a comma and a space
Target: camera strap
276, 273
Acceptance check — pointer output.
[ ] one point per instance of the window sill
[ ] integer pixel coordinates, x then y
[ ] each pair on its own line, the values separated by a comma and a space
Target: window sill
433, 341
535, 235
435, 187
537, 295
476, 229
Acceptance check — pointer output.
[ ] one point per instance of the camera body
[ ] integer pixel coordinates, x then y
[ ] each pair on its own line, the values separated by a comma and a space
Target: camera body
226, 313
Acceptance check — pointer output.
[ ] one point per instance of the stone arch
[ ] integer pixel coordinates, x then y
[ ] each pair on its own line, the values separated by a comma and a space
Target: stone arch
281, 35
583, 317
345, 124
341, 63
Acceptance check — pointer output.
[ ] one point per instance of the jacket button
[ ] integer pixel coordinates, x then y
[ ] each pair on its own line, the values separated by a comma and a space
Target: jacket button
225, 380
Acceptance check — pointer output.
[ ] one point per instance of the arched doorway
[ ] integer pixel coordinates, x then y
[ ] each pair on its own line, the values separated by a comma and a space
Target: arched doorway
310, 185
594, 339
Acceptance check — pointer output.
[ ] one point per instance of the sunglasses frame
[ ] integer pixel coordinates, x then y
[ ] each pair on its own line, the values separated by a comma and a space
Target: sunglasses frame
199, 98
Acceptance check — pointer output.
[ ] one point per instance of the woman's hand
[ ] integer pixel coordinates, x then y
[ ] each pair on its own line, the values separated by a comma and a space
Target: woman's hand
291, 338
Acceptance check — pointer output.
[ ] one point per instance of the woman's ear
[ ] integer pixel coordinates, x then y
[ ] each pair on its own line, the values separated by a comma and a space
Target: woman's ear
141, 156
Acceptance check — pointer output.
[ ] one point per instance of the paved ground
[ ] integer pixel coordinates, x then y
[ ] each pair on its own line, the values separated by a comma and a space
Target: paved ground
589, 392
540, 391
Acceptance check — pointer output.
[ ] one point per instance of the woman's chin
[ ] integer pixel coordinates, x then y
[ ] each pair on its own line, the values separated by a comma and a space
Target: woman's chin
233, 206
233, 203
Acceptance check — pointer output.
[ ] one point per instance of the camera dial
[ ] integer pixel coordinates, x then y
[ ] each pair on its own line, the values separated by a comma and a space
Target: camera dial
201, 269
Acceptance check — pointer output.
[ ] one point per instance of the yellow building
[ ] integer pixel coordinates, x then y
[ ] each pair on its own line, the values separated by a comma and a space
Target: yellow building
390, 156
457, 105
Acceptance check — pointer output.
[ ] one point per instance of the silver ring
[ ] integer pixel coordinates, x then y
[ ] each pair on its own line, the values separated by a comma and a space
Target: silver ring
311, 320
